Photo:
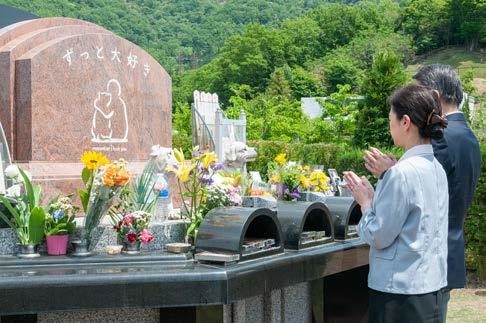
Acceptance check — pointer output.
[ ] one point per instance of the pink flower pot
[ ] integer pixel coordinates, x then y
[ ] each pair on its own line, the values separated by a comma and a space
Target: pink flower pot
57, 244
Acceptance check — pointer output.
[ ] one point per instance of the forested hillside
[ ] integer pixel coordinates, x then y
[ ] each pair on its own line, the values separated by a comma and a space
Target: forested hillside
336, 50
263, 56
180, 34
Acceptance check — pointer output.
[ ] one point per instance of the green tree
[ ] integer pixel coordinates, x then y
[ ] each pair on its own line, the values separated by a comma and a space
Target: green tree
278, 86
302, 38
304, 83
468, 20
386, 75
340, 109
181, 119
271, 117
249, 59
341, 68
428, 22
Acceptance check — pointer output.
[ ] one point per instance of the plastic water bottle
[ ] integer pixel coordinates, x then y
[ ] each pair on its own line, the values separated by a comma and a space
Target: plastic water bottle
163, 201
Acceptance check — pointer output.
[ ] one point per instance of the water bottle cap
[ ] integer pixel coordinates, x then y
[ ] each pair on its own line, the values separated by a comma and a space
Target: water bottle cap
164, 193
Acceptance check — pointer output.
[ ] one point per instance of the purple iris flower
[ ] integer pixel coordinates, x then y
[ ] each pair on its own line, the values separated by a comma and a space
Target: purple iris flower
216, 166
58, 214
284, 188
295, 193
197, 153
207, 180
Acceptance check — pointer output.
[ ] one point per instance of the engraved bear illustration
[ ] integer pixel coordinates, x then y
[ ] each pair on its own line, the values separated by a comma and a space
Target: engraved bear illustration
110, 121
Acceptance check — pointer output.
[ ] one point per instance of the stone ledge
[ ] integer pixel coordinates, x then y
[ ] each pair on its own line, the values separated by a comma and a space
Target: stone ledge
105, 235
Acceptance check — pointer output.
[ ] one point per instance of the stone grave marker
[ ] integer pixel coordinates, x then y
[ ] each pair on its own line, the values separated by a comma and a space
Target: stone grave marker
78, 88
14, 49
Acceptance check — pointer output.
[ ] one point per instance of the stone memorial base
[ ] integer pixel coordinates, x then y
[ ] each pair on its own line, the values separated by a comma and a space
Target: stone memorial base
105, 235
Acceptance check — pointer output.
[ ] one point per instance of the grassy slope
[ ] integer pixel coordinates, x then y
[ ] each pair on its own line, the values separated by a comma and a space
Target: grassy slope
460, 59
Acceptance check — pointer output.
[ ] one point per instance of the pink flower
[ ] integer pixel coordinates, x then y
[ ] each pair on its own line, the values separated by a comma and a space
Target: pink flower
146, 236
234, 196
128, 219
131, 237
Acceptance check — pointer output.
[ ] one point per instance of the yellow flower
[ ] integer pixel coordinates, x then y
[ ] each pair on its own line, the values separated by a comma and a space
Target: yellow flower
324, 188
235, 180
182, 171
209, 157
179, 155
275, 178
304, 182
93, 159
306, 168
281, 159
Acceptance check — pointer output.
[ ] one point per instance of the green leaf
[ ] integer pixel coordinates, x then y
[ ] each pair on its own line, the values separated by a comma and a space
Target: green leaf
31, 194
36, 225
13, 211
84, 197
191, 228
86, 175
37, 192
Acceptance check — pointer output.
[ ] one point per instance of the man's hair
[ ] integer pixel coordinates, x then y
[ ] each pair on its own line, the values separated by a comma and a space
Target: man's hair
442, 78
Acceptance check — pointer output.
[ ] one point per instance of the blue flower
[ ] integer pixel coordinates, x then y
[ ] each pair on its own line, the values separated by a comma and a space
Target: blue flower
216, 166
295, 193
207, 180
58, 214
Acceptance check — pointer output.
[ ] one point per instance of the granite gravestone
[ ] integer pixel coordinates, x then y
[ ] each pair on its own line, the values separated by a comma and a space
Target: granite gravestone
78, 88
19, 46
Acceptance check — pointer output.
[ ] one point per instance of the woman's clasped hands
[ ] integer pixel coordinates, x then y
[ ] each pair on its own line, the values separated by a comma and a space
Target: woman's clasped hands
360, 188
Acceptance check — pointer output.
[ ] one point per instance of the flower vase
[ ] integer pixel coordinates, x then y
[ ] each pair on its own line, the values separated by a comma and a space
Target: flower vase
57, 244
81, 246
28, 251
131, 248
277, 191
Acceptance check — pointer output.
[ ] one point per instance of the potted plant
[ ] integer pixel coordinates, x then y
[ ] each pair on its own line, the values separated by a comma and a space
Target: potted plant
132, 231
60, 223
27, 216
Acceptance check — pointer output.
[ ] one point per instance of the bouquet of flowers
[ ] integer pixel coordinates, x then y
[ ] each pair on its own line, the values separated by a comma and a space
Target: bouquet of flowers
133, 228
196, 181
224, 190
286, 176
103, 181
314, 180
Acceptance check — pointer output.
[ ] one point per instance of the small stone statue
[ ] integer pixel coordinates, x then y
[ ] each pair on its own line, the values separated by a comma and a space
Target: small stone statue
237, 154
164, 157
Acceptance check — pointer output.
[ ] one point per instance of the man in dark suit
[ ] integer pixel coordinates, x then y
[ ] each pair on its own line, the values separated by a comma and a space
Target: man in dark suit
458, 152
